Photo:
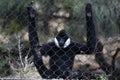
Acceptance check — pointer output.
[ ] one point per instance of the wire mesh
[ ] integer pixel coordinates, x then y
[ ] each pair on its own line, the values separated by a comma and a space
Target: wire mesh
33, 43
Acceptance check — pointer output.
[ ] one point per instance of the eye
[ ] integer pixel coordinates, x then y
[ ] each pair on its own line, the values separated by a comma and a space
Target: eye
67, 43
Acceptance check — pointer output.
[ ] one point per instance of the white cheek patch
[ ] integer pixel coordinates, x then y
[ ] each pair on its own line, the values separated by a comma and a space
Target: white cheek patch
56, 42
67, 43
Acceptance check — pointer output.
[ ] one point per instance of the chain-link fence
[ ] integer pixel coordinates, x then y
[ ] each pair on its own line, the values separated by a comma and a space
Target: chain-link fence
60, 39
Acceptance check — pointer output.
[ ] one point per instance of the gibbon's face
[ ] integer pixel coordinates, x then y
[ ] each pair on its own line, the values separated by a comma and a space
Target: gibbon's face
62, 40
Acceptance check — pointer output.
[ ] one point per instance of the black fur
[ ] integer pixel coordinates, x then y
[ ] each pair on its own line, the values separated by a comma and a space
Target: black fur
91, 35
34, 42
61, 59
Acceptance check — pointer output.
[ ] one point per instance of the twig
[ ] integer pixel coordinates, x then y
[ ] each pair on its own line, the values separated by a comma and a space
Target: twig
19, 49
114, 58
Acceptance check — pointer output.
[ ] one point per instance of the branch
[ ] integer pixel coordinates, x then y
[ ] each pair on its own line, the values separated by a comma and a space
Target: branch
114, 58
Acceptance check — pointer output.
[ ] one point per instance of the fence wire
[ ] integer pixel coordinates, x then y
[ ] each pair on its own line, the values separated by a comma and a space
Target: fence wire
53, 40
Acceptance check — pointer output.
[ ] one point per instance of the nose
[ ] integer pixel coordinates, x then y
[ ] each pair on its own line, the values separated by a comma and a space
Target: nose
61, 43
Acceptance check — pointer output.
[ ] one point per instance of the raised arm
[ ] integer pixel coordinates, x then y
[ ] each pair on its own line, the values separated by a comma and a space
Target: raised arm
89, 48
33, 37
34, 43
91, 34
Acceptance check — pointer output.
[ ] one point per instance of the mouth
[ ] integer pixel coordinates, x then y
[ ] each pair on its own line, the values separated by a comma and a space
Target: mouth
62, 45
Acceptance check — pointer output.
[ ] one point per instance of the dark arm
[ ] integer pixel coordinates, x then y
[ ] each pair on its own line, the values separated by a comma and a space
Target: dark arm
34, 43
93, 44
33, 37
91, 34
96, 46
